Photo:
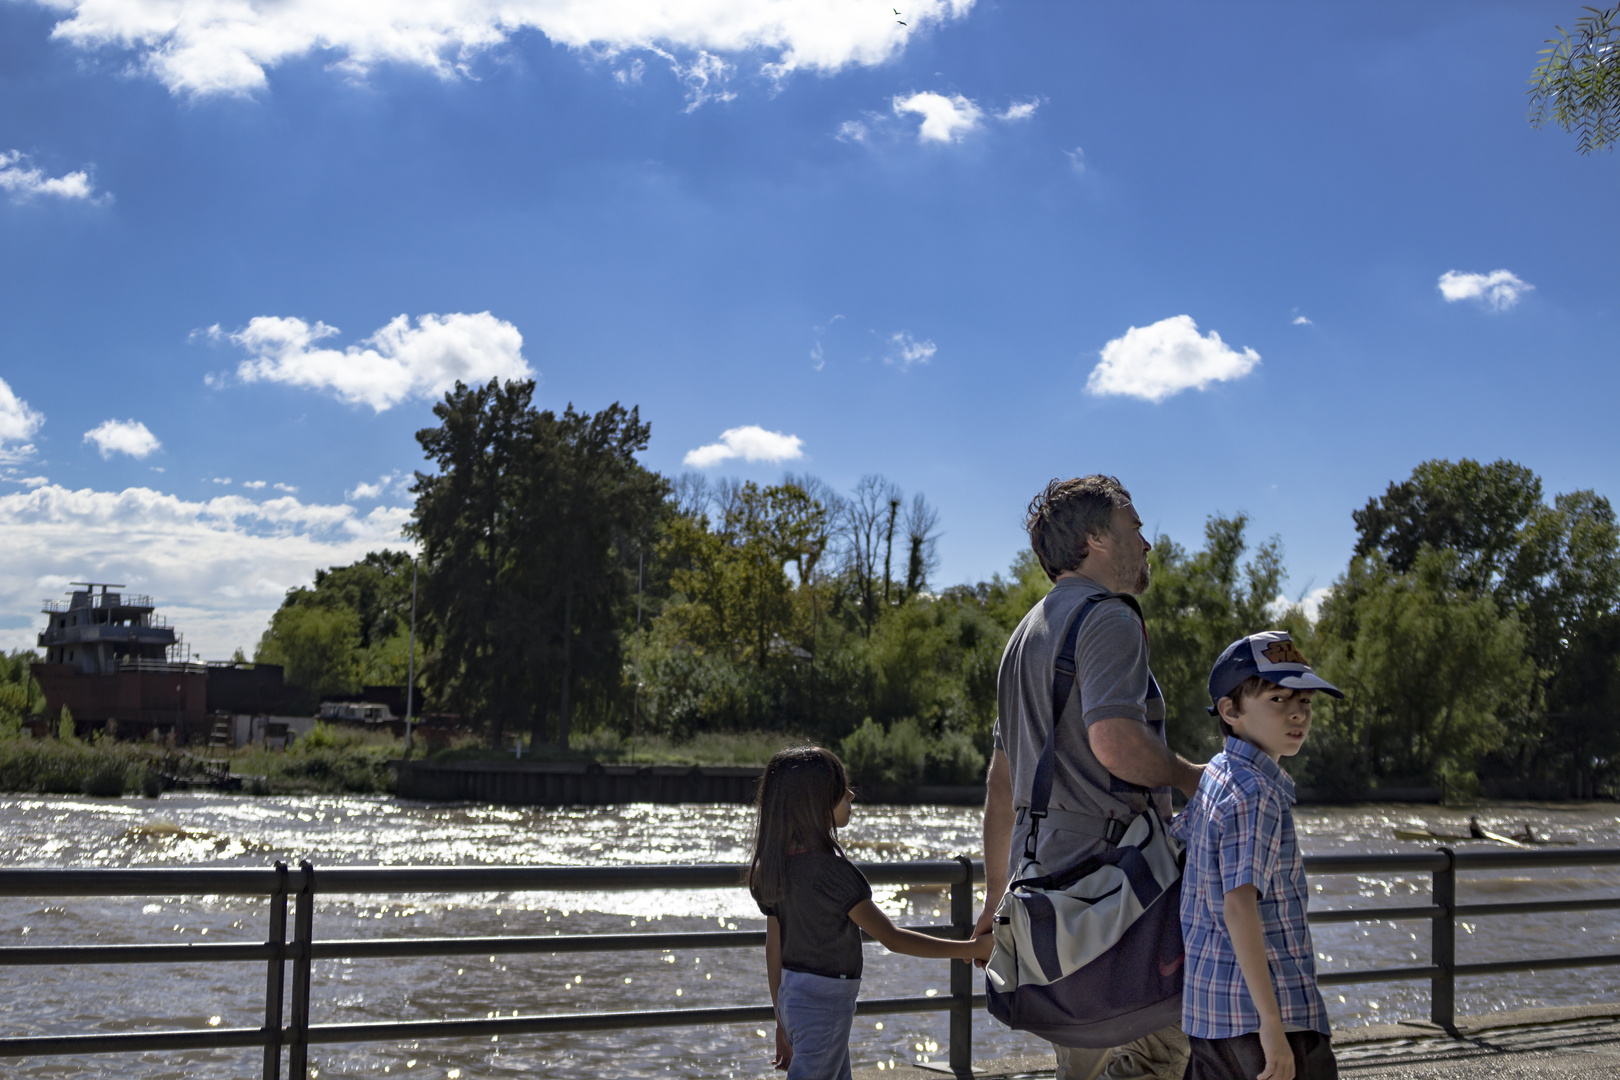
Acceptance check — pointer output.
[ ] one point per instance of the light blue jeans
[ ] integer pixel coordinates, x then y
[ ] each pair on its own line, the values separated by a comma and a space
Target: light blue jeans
816, 1013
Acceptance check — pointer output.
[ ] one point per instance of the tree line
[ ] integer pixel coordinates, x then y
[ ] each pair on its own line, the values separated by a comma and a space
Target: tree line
566, 588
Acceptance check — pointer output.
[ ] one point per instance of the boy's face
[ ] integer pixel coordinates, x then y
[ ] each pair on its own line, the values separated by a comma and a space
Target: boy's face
1276, 720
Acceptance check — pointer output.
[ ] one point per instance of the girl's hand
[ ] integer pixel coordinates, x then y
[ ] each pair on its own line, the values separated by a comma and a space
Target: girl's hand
784, 1049
982, 948
1279, 1055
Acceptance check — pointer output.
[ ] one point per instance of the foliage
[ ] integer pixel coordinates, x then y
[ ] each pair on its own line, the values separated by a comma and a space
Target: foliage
1198, 604
529, 532
894, 762
1578, 80
317, 647
20, 695
1431, 671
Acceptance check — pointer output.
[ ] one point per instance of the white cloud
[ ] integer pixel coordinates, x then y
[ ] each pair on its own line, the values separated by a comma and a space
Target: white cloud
905, 350
17, 425
1310, 602
202, 47
1020, 110
34, 481
253, 485
945, 119
852, 131
288, 488
1300, 320
1498, 290
398, 362
1077, 160
122, 437
751, 443
364, 490
22, 180
218, 567
1159, 361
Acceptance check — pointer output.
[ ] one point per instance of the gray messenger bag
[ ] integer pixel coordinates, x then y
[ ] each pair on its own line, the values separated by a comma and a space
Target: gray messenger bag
1091, 955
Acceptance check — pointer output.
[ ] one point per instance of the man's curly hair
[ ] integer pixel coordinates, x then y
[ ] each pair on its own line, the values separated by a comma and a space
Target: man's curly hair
1065, 513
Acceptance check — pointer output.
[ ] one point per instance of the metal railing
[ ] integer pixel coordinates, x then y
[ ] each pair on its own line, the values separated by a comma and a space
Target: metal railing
284, 885
300, 886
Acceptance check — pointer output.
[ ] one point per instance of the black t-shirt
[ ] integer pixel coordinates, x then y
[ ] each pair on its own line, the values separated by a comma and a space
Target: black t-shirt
817, 935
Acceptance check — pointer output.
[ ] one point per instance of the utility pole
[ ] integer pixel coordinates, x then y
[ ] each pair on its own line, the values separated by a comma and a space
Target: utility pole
410, 666
635, 691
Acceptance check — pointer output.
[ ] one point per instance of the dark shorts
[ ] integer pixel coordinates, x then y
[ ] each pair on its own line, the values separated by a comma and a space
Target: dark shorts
1240, 1057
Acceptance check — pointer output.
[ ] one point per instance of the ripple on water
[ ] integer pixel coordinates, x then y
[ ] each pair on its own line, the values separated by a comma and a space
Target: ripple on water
235, 831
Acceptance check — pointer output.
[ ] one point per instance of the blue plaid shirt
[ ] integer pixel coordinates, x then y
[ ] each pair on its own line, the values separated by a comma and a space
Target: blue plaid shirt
1239, 830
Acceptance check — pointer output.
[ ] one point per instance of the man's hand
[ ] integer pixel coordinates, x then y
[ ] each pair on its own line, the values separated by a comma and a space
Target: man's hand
1279, 1055
998, 828
984, 928
784, 1049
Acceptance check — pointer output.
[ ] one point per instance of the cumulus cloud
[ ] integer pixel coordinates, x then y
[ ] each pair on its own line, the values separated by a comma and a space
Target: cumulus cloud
751, 443
905, 350
18, 425
202, 47
253, 485
1498, 290
364, 490
1310, 602
1158, 361
122, 437
20, 179
1301, 320
399, 361
218, 567
944, 119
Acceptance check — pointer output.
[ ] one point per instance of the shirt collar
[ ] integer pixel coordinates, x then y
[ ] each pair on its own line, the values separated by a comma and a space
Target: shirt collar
1260, 761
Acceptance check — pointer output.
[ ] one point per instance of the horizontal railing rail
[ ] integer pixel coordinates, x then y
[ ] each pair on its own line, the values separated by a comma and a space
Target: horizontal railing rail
298, 887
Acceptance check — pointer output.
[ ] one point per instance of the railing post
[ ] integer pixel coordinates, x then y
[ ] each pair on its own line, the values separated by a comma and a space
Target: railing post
303, 937
1443, 939
275, 977
962, 918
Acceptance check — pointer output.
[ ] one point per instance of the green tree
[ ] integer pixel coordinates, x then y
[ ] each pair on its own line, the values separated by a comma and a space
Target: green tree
1429, 669
1578, 80
1198, 604
318, 646
529, 530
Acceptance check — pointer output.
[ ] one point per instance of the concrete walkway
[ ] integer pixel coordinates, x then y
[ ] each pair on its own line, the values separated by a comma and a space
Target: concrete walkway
1579, 1043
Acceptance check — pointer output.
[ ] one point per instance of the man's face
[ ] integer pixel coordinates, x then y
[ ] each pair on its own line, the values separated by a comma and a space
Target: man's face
1128, 551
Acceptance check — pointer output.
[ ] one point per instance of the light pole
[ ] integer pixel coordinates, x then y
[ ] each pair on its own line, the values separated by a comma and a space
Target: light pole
410, 666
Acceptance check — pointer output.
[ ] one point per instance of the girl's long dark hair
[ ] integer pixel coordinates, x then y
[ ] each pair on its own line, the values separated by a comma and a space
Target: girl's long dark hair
797, 795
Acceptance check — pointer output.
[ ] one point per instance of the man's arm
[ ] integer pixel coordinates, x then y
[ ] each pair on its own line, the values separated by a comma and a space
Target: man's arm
998, 826
1241, 909
1126, 748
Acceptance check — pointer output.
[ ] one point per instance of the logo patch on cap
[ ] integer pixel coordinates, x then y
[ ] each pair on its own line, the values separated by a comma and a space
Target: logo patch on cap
1285, 652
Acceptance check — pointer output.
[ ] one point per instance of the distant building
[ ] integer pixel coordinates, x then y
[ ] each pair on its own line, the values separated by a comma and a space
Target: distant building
109, 657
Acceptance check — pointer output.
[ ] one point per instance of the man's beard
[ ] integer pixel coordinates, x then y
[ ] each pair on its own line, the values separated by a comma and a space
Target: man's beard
1143, 577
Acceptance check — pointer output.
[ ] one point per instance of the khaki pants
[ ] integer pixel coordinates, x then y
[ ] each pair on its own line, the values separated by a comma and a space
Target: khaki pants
1159, 1056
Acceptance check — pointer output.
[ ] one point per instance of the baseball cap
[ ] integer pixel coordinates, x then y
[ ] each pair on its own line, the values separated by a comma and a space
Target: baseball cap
1273, 656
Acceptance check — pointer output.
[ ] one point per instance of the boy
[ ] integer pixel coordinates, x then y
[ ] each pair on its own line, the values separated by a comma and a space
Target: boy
1250, 1006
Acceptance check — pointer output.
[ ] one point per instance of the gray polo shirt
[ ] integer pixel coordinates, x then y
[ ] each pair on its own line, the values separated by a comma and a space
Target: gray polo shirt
1111, 680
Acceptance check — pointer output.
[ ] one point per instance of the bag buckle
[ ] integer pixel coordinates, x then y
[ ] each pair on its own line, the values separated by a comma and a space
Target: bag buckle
1115, 831
1035, 817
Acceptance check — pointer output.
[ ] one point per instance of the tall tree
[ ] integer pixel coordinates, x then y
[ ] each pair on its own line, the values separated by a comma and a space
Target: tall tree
526, 529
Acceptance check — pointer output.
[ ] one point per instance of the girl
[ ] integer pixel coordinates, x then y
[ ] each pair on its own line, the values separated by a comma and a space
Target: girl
816, 904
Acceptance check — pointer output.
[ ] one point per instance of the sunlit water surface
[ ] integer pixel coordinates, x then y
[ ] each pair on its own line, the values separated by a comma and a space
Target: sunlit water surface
233, 831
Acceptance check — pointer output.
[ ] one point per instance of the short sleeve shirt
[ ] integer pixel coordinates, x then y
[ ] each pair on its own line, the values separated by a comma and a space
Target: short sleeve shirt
818, 937
1239, 830
1111, 680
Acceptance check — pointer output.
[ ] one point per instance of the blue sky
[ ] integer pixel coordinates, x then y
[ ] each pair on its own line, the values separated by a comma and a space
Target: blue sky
971, 253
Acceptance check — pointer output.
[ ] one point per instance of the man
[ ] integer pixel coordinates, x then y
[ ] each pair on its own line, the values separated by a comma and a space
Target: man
1112, 760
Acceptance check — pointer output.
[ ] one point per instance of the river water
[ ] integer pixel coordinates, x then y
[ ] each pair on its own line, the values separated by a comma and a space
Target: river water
238, 831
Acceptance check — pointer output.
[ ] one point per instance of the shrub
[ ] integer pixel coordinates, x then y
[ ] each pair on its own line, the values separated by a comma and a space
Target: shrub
104, 779
885, 764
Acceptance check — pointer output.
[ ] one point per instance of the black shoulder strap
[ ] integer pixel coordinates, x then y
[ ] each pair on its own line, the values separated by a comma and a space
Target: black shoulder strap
1062, 684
